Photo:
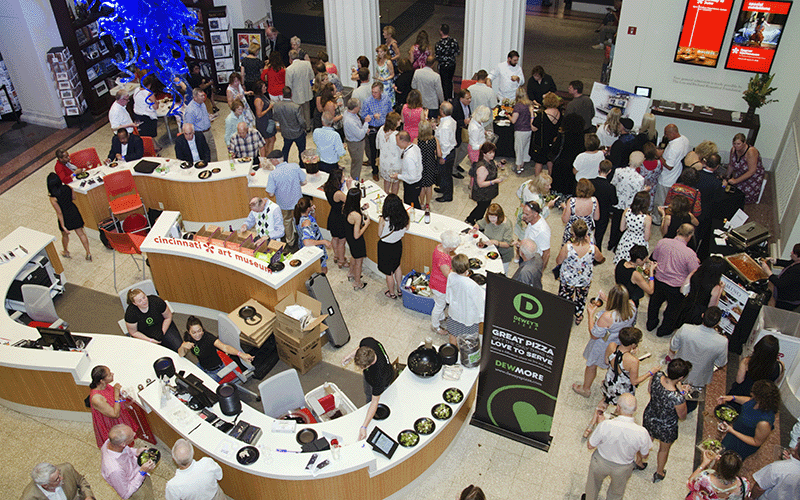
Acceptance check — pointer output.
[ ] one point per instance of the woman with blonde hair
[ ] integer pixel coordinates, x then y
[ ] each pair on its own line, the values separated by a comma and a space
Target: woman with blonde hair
545, 129
521, 118
384, 71
392, 48
700, 152
608, 133
431, 152
413, 113
386, 143
647, 130
251, 66
534, 189
604, 328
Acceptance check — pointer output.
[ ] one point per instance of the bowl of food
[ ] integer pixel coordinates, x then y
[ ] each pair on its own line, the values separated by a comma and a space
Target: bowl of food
295, 262
710, 444
492, 255
453, 395
216, 170
244, 159
424, 426
478, 278
442, 411
726, 413
149, 454
475, 263
113, 164
82, 175
408, 438
200, 164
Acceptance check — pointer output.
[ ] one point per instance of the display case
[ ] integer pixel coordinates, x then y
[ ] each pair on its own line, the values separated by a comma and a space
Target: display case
212, 48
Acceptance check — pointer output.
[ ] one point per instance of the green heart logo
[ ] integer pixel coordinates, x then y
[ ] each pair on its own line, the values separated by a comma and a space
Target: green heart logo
529, 419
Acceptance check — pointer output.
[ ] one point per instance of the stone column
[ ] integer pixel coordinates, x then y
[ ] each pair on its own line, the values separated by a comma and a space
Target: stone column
352, 29
491, 31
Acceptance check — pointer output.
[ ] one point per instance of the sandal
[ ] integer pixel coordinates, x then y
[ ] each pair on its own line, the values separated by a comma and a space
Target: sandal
638, 467
659, 477
578, 319
363, 286
351, 279
582, 393
66, 255
390, 295
342, 263
89, 257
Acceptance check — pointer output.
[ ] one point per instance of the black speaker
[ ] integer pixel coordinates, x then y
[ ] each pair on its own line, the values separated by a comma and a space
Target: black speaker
164, 366
229, 401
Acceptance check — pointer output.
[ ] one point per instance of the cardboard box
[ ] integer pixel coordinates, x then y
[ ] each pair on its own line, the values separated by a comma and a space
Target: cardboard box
258, 332
301, 360
302, 346
205, 233
291, 326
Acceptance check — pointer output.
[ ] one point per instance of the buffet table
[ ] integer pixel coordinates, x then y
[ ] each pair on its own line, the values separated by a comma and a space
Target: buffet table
54, 383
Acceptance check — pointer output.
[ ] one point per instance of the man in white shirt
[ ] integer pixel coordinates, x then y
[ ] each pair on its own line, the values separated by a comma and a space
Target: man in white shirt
364, 89
194, 479
446, 133
537, 230
616, 443
779, 480
61, 482
298, 77
265, 219
355, 133
672, 160
118, 116
411, 171
507, 76
482, 94
429, 85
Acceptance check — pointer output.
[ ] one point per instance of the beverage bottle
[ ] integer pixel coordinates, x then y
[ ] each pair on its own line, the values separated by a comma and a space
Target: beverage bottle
412, 213
427, 218
230, 160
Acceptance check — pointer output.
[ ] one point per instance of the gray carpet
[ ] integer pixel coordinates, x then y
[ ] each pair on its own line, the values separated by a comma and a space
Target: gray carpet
106, 311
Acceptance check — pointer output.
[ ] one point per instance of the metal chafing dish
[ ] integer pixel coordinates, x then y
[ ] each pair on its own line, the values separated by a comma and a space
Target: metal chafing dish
748, 235
746, 268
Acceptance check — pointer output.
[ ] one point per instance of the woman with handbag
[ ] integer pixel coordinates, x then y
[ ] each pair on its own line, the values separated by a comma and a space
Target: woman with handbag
545, 132
392, 225
264, 122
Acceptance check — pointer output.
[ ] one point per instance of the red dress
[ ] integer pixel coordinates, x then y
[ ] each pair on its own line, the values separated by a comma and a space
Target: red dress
102, 423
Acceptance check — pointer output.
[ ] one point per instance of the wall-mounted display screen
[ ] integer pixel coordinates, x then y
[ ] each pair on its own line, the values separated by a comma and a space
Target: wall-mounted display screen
757, 34
702, 32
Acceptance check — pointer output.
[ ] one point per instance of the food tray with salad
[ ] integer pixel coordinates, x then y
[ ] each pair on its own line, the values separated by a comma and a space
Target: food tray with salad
726, 413
710, 444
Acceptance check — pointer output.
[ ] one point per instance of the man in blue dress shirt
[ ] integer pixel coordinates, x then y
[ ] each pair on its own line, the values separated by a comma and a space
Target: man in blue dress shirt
377, 106
285, 183
197, 114
329, 144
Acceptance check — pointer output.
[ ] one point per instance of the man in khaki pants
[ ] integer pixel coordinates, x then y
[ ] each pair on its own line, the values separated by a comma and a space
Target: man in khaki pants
285, 184
119, 466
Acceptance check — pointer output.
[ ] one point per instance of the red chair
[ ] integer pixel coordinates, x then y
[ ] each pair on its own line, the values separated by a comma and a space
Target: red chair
123, 197
85, 157
128, 244
465, 84
135, 224
149, 147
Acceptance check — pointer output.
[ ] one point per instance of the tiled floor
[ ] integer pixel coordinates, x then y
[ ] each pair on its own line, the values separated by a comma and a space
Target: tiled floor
503, 468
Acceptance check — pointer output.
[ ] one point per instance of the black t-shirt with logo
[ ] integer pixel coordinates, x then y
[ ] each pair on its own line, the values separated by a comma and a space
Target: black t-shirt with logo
205, 351
148, 323
380, 375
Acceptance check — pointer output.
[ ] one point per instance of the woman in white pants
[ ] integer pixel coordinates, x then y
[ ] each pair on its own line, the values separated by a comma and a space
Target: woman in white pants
440, 270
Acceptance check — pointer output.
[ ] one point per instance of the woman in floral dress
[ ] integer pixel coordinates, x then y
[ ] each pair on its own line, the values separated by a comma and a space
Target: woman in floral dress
746, 170
384, 72
635, 225
723, 481
308, 229
577, 264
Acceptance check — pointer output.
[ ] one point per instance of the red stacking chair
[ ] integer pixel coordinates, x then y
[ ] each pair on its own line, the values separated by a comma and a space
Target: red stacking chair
123, 197
85, 157
128, 244
149, 147
135, 224
465, 84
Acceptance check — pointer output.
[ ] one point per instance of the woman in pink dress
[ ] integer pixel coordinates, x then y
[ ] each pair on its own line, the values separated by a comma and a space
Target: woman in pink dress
745, 170
107, 405
413, 113
420, 51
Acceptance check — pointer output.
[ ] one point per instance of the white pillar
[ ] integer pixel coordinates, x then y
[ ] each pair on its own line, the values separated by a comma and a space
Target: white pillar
492, 29
352, 29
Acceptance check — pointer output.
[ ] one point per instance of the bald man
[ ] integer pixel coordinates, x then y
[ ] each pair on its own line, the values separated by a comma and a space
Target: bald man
194, 479
672, 162
191, 147
530, 269
246, 143
119, 466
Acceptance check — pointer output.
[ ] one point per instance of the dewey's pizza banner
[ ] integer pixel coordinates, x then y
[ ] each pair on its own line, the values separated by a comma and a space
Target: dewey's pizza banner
525, 337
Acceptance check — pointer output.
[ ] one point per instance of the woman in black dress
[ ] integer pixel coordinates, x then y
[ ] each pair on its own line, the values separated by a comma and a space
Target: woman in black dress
431, 152
568, 146
392, 225
627, 273
484, 182
69, 218
667, 405
337, 223
263, 107
356, 222
705, 288
402, 83
545, 132
251, 66
763, 364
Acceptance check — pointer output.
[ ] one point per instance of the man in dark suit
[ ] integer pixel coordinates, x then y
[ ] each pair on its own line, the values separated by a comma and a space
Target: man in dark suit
49, 479
126, 147
191, 147
462, 110
606, 195
709, 185
279, 42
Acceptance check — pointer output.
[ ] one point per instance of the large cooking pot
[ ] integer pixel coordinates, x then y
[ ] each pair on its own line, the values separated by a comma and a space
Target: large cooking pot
229, 401
164, 366
424, 361
448, 353
250, 315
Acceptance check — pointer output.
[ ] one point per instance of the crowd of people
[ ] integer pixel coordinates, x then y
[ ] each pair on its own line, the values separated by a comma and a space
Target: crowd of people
406, 123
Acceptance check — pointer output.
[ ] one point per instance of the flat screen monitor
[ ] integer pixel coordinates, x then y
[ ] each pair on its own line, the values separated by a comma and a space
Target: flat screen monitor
642, 91
59, 340
702, 32
759, 29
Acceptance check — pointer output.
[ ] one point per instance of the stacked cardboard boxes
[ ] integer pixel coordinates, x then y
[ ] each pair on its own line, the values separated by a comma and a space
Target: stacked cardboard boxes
257, 330
299, 343
68, 84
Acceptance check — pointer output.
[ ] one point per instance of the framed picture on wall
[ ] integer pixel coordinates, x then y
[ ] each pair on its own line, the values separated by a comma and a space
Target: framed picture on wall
219, 38
243, 38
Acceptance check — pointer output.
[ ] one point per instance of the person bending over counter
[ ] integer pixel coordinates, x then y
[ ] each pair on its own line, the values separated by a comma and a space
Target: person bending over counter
265, 219
204, 345
148, 318
372, 359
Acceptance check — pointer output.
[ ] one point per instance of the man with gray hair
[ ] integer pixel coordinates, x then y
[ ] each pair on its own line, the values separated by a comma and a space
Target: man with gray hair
616, 444
191, 147
355, 132
446, 134
120, 468
197, 114
194, 479
429, 84
57, 482
329, 144
293, 127
299, 74
530, 269
118, 116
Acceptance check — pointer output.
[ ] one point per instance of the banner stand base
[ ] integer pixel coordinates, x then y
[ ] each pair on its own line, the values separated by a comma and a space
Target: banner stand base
544, 446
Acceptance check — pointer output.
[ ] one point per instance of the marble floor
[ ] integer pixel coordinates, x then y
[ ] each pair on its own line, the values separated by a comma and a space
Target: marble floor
503, 468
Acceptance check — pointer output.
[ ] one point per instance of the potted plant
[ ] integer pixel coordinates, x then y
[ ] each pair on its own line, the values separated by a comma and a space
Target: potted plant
758, 92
